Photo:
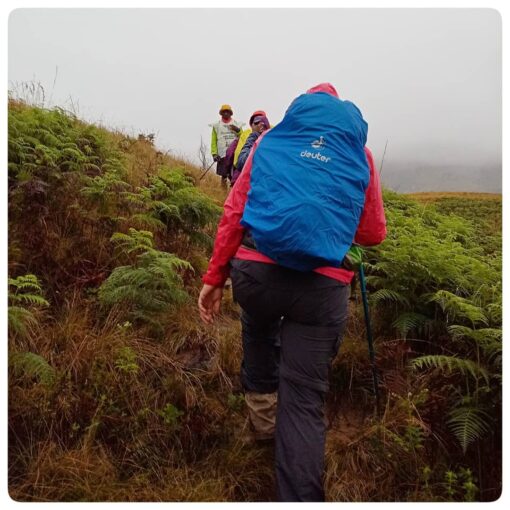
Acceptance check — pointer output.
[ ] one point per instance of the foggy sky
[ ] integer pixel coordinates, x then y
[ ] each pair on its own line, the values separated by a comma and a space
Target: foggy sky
428, 80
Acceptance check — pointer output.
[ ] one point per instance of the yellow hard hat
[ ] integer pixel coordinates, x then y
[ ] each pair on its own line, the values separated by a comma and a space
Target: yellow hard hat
226, 107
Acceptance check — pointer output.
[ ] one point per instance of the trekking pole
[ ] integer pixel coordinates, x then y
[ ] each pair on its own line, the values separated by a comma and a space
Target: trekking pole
203, 175
384, 154
368, 326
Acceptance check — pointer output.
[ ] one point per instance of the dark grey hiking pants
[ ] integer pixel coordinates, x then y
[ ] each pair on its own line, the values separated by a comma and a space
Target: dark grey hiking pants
292, 325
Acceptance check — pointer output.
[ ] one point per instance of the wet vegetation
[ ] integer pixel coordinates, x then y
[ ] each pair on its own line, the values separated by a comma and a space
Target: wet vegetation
117, 392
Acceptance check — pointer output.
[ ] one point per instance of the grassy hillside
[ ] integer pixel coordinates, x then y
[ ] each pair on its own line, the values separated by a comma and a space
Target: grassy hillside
483, 210
117, 392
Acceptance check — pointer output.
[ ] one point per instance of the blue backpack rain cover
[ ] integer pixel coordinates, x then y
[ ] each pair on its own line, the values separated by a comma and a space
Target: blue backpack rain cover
308, 180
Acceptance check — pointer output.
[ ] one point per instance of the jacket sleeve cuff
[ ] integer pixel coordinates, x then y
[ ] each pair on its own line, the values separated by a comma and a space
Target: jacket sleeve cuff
216, 280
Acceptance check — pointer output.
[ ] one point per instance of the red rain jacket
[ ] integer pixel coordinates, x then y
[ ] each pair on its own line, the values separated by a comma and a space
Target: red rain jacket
371, 228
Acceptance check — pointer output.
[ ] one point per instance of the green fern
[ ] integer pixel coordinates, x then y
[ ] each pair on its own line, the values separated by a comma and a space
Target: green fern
20, 320
147, 220
388, 295
28, 364
134, 241
451, 364
425, 253
495, 312
148, 287
409, 321
103, 187
459, 307
468, 424
489, 340
172, 200
482, 336
24, 293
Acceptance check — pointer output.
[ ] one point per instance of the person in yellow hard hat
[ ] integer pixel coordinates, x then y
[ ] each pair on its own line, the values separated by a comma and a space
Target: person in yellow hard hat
223, 133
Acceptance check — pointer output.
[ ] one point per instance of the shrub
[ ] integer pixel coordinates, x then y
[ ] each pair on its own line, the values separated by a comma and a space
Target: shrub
148, 286
25, 294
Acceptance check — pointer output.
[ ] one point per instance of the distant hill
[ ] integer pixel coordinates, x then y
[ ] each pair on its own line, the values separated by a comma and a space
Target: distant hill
434, 196
409, 177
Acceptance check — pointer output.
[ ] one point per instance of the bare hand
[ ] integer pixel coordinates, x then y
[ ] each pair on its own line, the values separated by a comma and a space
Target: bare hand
209, 302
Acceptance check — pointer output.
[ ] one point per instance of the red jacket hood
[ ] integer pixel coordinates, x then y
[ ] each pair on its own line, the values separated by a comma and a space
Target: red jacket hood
323, 87
255, 113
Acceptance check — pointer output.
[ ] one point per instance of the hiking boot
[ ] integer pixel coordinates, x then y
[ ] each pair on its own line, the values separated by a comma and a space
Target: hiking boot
264, 439
248, 437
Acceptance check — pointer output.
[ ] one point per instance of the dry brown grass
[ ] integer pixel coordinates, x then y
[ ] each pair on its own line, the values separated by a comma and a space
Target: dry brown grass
83, 474
100, 437
100, 433
231, 473
211, 184
100, 424
372, 459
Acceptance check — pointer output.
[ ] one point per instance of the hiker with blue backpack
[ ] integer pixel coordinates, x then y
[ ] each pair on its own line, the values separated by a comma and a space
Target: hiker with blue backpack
308, 191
